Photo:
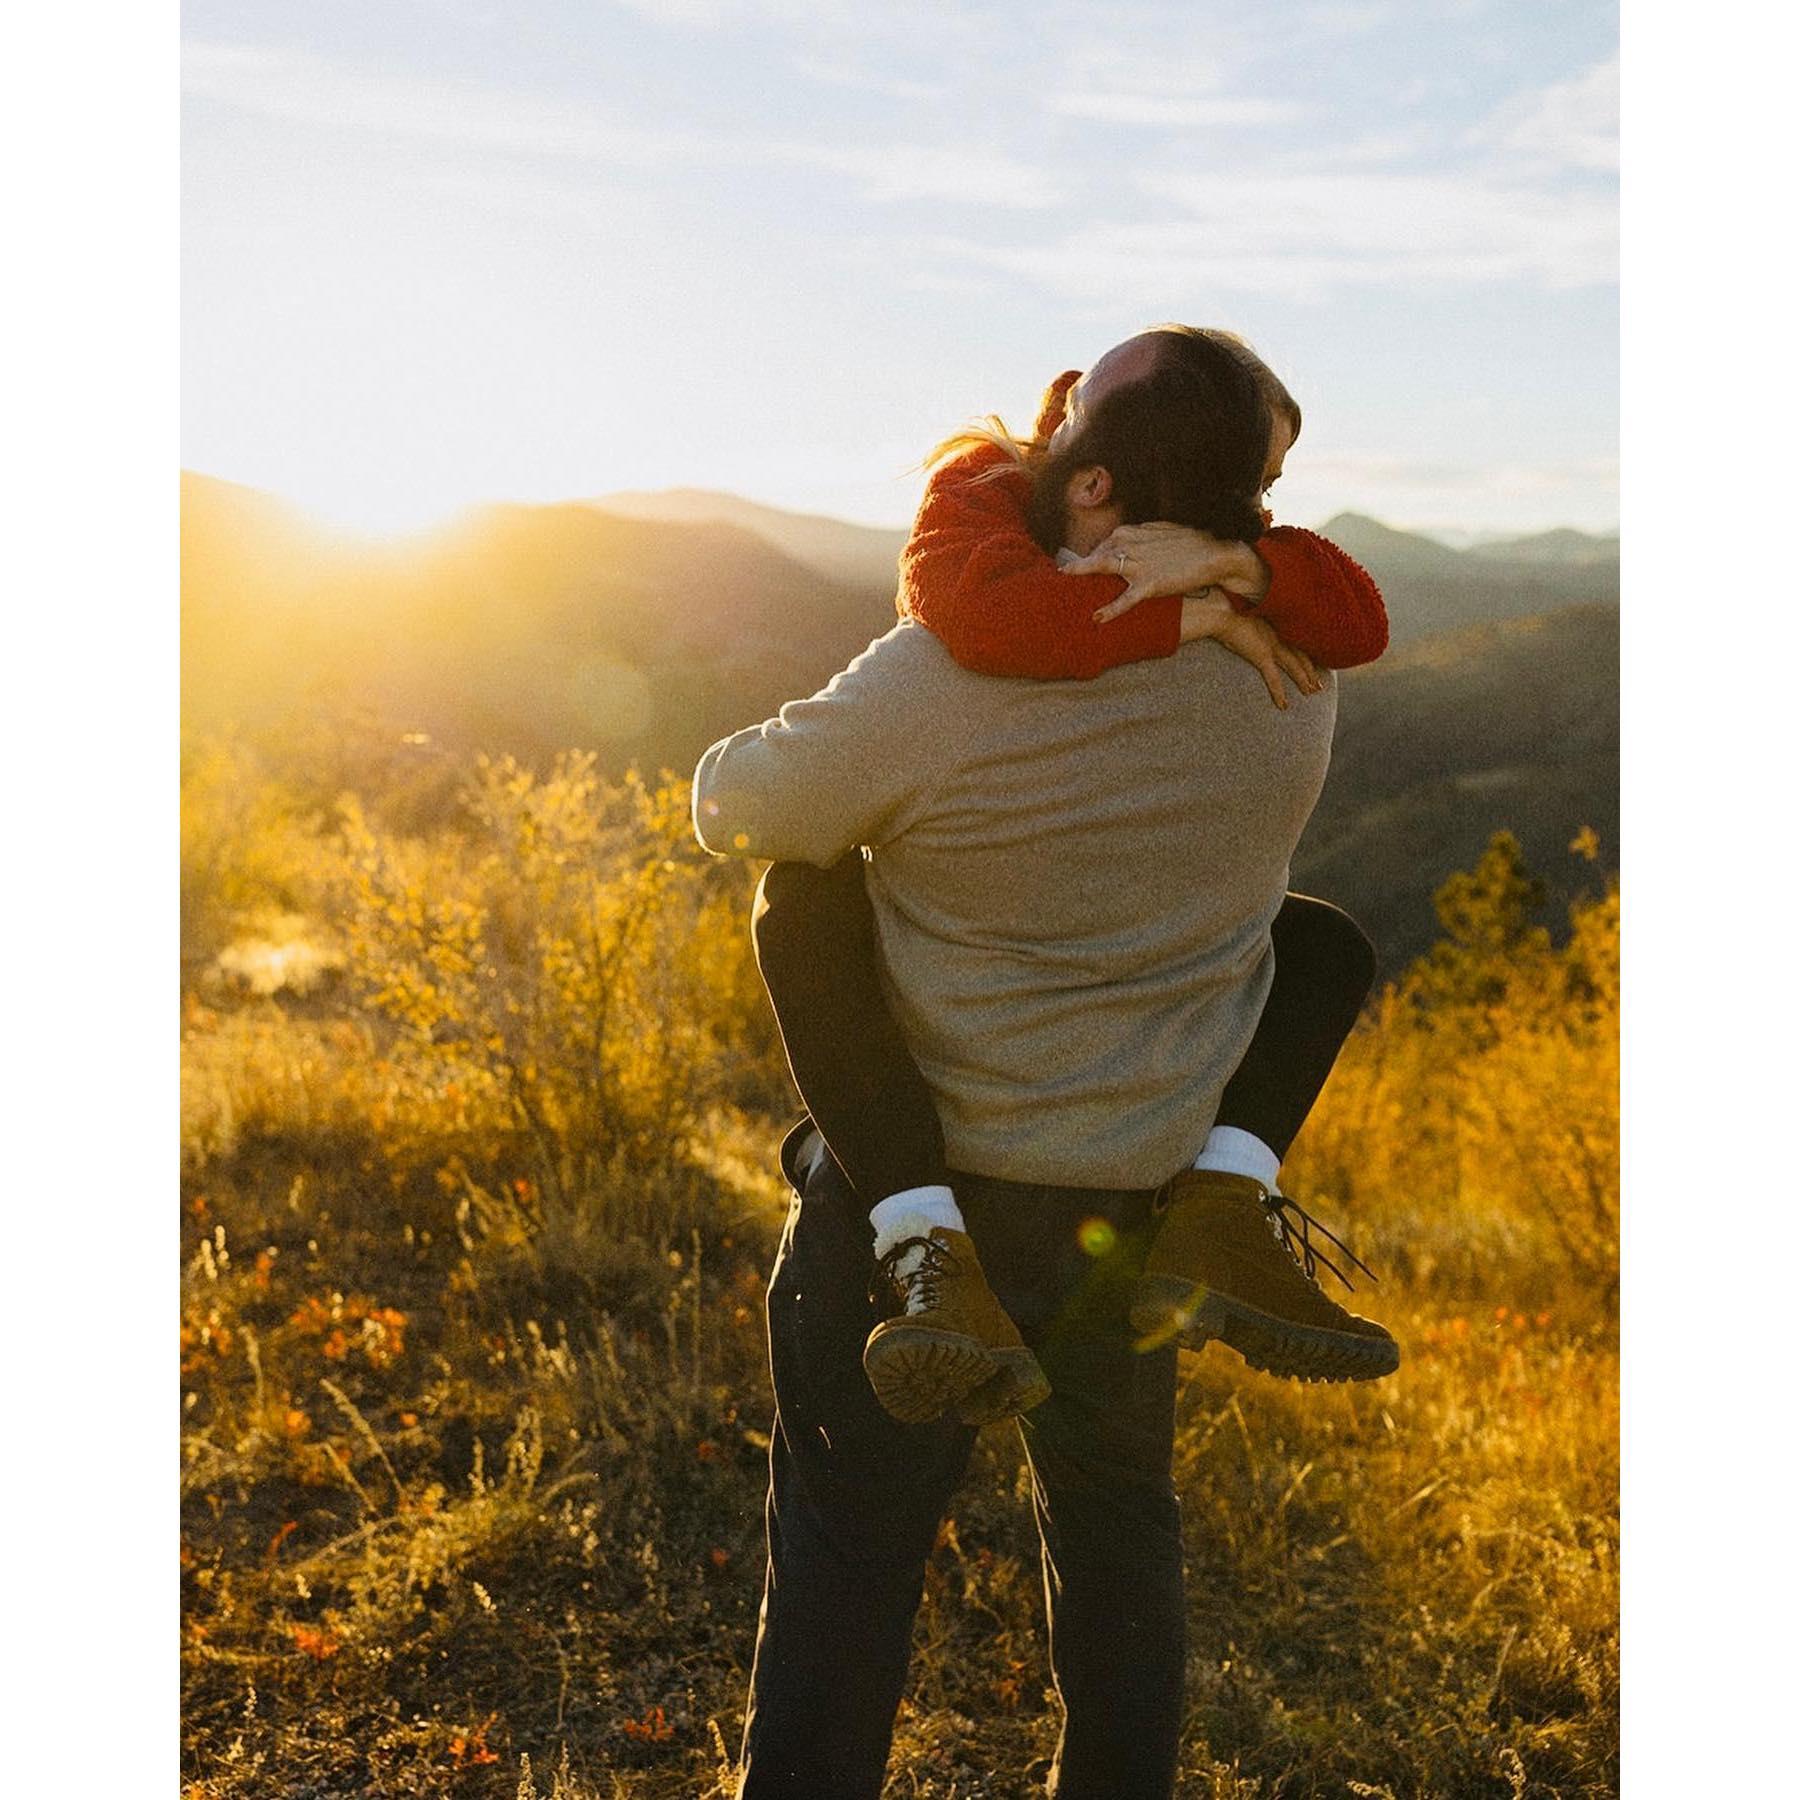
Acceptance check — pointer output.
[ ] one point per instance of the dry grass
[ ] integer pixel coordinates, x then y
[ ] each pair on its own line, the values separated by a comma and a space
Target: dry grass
473, 1430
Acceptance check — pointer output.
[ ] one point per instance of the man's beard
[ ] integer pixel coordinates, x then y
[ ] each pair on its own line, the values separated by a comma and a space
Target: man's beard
1046, 515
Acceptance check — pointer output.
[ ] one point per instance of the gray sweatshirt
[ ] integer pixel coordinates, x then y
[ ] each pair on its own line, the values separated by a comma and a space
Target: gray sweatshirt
1073, 882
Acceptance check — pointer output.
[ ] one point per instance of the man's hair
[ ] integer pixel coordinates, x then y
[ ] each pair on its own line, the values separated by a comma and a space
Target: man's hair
1186, 442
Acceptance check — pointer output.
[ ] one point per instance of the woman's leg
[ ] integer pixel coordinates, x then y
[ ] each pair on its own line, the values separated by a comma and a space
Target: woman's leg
1324, 969
814, 932
950, 1342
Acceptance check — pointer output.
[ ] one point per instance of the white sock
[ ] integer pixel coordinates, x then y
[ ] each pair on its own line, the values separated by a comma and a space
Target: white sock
912, 1213
1234, 1152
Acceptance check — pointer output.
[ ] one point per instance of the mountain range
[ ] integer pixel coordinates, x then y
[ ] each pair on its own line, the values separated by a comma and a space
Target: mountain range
1429, 586
646, 626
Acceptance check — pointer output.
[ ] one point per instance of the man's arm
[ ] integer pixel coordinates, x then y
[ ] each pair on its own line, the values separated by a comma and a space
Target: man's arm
851, 765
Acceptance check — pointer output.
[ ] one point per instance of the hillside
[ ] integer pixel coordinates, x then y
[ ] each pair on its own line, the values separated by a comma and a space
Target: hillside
1513, 724
520, 628
536, 628
861, 555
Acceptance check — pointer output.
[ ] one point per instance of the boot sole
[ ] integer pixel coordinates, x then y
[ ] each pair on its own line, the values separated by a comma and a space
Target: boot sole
1018, 1385
1165, 1307
921, 1372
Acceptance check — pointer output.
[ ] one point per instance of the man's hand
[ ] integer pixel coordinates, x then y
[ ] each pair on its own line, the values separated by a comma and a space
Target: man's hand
1210, 615
1160, 559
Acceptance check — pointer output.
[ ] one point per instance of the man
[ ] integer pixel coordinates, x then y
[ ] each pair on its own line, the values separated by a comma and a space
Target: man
1073, 885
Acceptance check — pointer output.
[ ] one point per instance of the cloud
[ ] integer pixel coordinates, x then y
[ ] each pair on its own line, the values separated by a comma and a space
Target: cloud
1156, 84
714, 15
841, 72
962, 172
1345, 18
1566, 126
1303, 234
296, 85
1172, 110
293, 84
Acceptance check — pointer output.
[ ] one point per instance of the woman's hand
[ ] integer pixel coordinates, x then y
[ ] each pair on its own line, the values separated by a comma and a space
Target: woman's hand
1160, 558
1211, 615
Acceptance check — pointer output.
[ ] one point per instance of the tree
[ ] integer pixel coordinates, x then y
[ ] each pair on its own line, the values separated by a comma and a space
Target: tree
1487, 915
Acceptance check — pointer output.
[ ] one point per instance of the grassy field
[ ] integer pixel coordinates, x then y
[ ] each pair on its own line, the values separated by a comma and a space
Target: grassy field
478, 1205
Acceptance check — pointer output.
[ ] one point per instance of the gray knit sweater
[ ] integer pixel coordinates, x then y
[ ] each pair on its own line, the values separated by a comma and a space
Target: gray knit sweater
1073, 882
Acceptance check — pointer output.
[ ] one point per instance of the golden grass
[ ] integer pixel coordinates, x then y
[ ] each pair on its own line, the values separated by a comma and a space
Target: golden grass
474, 1407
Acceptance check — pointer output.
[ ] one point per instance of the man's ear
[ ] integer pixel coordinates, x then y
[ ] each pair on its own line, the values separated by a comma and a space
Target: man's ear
1091, 486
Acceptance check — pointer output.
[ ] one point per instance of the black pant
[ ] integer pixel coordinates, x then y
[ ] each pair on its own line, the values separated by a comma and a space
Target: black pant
815, 944
855, 1499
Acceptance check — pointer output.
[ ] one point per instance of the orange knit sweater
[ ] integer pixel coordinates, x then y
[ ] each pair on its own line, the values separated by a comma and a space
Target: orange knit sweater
972, 574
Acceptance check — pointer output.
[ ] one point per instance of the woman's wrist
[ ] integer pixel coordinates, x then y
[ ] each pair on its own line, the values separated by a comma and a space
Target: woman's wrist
1248, 575
1203, 613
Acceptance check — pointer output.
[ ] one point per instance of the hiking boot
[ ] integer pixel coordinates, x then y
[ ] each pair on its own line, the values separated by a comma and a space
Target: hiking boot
951, 1343
1234, 1262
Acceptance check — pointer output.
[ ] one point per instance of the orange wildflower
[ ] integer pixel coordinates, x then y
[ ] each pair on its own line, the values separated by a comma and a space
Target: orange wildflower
317, 1644
468, 1749
652, 1728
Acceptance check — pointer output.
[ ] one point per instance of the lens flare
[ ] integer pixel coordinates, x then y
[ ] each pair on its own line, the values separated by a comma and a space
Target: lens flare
1096, 1236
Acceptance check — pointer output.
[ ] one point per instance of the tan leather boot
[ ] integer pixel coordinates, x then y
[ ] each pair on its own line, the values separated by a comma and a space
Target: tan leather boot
1234, 1262
950, 1344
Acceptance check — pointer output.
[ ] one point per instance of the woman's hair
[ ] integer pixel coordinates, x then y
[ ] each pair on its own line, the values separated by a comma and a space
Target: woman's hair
1186, 442
1280, 402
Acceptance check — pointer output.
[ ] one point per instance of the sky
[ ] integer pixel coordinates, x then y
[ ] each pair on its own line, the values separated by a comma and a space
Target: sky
436, 252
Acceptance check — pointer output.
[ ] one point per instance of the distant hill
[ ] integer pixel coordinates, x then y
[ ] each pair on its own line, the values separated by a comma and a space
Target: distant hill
1570, 549
856, 554
1431, 588
539, 628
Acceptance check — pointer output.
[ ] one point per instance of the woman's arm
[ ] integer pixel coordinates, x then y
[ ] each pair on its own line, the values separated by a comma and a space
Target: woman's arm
1321, 599
973, 575
1318, 598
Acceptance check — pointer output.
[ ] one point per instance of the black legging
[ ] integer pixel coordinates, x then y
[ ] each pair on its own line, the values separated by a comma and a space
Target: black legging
814, 932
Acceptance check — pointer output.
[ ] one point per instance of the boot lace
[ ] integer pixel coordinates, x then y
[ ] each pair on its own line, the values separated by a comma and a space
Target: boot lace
920, 1287
1293, 1226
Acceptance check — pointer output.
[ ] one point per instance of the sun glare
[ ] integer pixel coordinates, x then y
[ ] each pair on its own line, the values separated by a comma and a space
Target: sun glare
385, 509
